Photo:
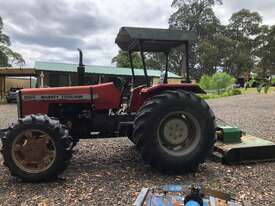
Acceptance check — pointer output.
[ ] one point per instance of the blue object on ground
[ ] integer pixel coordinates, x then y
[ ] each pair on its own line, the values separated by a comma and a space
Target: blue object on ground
192, 203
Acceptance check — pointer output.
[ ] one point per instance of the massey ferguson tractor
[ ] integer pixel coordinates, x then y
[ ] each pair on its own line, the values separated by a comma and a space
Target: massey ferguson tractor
172, 128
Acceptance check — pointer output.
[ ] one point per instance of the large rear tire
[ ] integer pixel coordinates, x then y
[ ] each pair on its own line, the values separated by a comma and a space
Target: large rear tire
174, 131
37, 148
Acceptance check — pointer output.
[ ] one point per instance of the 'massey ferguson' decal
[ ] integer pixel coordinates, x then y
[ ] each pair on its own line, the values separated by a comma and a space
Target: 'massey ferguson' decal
52, 97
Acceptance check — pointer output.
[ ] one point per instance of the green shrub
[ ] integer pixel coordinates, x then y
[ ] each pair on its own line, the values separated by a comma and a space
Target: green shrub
249, 84
266, 88
246, 85
259, 88
205, 96
221, 81
205, 82
236, 92
233, 91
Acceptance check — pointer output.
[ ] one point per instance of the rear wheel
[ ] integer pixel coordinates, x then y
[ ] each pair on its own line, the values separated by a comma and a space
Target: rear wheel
178, 133
174, 131
37, 148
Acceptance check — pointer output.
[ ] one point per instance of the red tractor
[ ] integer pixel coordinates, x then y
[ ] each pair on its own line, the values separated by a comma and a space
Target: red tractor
173, 129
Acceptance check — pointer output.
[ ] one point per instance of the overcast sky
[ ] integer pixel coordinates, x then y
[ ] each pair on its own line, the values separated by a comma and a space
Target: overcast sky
51, 30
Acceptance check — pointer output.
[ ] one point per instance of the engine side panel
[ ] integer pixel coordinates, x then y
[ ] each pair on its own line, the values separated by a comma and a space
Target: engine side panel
38, 100
106, 96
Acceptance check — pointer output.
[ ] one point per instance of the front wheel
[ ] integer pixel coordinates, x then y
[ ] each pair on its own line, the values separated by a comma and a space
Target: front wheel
37, 148
174, 131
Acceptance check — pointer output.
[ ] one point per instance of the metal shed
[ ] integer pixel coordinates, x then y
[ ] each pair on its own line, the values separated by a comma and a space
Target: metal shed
63, 74
13, 72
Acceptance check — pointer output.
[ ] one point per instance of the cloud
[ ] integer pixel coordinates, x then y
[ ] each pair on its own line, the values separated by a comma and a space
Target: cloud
264, 8
47, 39
52, 30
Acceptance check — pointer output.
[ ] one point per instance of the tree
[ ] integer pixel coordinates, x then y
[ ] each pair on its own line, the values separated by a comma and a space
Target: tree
195, 15
7, 56
198, 16
243, 27
158, 60
244, 24
122, 60
265, 50
208, 56
242, 46
153, 60
225, 47
231, 48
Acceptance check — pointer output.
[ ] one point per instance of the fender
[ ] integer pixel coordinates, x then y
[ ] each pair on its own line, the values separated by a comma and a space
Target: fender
194, 88
140, 94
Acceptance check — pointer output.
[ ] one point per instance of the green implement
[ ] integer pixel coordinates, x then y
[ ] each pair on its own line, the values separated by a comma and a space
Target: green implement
235, 147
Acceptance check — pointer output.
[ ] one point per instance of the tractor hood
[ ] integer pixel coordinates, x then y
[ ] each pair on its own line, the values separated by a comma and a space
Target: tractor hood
39, 100
57, 93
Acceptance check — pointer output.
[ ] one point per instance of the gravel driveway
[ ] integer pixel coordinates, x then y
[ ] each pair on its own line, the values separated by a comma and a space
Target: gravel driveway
110, 172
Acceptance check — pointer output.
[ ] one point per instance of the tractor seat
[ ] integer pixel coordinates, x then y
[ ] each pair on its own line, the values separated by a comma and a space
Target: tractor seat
119, 82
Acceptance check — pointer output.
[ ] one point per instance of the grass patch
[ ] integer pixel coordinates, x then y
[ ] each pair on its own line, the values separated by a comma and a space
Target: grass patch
215, 95
254, 90
233, 92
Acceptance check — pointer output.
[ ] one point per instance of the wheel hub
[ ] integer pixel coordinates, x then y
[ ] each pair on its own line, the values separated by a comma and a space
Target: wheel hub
175, 131
179, 133
33, 151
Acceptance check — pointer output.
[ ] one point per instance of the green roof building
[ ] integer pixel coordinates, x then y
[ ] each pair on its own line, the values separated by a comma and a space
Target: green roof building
63, 74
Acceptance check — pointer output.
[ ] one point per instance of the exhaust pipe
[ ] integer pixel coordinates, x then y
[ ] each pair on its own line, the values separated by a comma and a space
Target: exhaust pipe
80, 70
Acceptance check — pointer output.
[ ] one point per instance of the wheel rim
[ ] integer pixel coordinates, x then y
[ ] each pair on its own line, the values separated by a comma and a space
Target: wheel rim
179, 133
33, 151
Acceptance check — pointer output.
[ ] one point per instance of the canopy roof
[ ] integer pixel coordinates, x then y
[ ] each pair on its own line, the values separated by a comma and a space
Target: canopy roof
15, 71
154, 40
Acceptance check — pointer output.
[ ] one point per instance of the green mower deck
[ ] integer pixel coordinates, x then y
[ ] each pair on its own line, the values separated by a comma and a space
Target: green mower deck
235, 147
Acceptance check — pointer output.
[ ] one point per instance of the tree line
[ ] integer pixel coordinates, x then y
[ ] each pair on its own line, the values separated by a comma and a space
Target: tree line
242, 46
8, 57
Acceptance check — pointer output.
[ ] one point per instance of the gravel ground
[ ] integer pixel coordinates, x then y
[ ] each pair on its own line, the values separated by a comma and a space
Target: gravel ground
110, 172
